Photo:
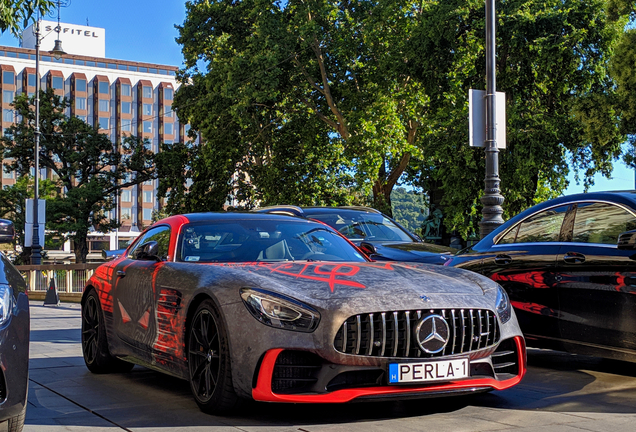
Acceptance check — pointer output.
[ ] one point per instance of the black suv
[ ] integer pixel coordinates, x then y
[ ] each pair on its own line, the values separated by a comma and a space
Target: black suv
376, 234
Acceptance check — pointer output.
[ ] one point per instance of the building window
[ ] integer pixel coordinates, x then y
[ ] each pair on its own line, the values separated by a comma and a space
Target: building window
7, 175
103, 105
147, 196
31, 80
125, 125
7, 115
57, 82
168, 128
8, 77
103, 87
168, 93
147, 214
82, 118
167, 111
8, 96
103, 122
126, 213
126, 107
147, 91
125, 89
126, 196
80, 103
147, 127
80, 85
147, 109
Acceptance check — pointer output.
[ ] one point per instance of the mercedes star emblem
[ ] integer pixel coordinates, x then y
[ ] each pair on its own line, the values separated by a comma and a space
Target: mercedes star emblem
432, 334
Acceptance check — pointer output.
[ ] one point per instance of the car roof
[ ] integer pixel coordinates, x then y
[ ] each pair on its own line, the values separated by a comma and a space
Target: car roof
303, 211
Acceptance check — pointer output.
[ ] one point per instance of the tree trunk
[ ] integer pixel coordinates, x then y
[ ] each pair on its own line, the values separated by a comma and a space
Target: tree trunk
81, 249
384, 184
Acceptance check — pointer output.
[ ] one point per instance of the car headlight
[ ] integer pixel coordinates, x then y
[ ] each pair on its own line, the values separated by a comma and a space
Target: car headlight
504, 310
279, 311
6, 303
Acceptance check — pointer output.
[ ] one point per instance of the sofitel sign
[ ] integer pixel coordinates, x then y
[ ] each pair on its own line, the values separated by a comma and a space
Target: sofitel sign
76, 39
71, 30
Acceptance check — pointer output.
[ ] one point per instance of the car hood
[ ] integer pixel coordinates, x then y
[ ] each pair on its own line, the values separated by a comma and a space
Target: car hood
341, 281
413, 252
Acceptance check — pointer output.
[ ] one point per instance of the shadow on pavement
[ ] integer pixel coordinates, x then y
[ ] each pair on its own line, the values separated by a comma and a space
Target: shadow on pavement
556, 382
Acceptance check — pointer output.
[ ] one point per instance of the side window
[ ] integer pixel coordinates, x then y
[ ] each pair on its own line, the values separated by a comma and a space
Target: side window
542, 227
601, 223
160, 234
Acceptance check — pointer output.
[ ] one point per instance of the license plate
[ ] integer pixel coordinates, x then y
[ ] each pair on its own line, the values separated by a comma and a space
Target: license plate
442, 370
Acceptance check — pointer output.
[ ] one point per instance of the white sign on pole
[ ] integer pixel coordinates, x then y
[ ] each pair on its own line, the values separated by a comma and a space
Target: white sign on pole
477, 118
28, 226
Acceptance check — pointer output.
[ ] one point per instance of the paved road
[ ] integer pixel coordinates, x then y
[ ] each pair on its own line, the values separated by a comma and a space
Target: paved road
561, 392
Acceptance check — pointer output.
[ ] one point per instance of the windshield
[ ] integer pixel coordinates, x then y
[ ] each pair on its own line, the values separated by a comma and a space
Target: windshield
263, 241
362, 226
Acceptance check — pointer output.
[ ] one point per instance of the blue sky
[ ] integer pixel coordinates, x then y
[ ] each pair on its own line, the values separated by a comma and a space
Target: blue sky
144, 31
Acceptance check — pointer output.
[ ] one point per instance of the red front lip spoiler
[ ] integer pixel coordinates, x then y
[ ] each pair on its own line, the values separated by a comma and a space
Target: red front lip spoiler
263, 391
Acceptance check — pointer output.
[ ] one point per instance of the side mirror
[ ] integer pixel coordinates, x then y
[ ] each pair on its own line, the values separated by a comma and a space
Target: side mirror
627, 240
367, 248
7, 235
148, 251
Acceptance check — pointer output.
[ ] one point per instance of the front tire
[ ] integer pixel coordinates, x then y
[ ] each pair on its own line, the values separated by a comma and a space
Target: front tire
209, 362
94, 341
16, 424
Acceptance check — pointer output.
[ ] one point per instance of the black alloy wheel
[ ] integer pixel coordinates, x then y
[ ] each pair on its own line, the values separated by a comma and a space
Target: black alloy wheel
209, 362
94, 342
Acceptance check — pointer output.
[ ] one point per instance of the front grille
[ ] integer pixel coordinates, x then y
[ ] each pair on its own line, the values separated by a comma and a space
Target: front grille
505, 359
391, 334
295, 371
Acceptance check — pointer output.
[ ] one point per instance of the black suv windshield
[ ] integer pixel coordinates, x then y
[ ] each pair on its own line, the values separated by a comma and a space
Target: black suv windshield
357, 225
263, 241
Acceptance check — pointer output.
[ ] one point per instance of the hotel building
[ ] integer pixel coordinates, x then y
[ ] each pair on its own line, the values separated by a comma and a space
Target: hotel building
119, 97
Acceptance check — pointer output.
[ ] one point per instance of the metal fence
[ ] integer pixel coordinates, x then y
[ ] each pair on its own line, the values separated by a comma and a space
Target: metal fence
68, 278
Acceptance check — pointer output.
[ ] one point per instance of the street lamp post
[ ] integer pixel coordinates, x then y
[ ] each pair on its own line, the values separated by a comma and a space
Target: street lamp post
57, 52
492, 198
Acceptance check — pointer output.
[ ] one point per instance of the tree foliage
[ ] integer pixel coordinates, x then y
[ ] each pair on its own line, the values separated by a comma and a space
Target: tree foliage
15, 15
552, 62
307, 99
87, 168
409, 209
12, 206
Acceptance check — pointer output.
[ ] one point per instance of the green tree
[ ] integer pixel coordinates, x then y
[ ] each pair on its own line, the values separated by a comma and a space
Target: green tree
12, 206
16, 14
318, 95
552, 62
409, 209
86, 167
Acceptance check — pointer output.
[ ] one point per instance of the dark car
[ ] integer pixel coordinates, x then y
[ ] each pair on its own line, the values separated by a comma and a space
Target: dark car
379, 236
569, 267
284, 309
14, 337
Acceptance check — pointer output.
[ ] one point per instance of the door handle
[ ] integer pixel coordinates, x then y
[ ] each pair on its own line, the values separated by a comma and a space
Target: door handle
120, 273
503, 259
574, 258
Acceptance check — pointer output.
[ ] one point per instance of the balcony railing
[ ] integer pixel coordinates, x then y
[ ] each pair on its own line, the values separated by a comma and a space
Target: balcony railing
68, 278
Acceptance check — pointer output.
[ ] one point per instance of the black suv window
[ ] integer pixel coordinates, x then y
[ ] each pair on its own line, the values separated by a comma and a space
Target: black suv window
601, 223
160, 234
542, 227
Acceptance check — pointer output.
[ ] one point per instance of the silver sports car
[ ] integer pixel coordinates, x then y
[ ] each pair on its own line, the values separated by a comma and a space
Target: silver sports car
282, 309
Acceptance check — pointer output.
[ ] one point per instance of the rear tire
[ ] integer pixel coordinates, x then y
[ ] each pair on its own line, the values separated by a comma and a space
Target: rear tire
209, 362
94, 341
15, 424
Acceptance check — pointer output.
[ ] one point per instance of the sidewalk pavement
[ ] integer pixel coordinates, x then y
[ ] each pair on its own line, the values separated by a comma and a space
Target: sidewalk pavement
561, 392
